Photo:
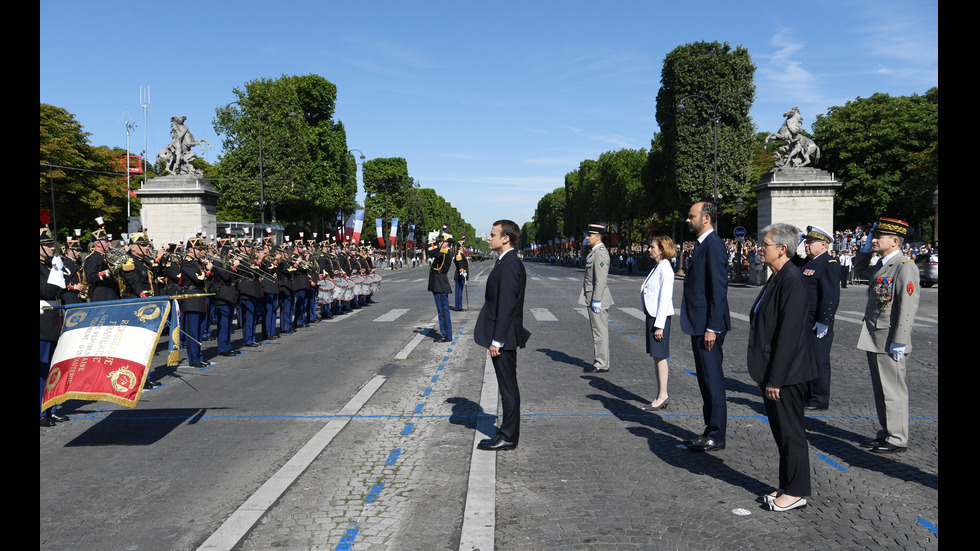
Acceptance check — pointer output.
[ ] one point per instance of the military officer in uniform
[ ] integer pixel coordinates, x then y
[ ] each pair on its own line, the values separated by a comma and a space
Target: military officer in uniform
195, 274
822, 275
74, 284
886, 334
101, 279
138, 271
595, 295
439, 285
50, 320
460, 274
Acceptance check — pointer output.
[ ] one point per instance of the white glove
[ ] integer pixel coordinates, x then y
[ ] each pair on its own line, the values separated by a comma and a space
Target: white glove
896, 351
57, 263
821, 329
596, 306
866, 248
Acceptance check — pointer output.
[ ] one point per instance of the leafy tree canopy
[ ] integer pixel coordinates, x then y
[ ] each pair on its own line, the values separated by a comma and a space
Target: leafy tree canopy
874, 145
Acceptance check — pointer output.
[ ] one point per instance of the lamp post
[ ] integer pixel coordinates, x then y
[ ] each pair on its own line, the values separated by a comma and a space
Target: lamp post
714, 117
258, 115
739, 207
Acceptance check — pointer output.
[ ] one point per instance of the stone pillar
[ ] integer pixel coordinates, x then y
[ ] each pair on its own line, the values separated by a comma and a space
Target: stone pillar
173, 207
797, 195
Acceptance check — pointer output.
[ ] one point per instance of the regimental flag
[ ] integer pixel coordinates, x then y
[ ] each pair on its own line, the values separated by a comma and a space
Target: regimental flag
379, 228
104, 351
394, 230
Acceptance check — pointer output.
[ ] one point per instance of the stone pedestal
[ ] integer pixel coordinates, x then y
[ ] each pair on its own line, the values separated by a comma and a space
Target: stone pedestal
801, 196
173, 207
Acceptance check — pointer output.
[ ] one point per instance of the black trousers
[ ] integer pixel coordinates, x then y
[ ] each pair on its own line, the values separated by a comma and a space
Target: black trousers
786, 422
818, 394
505, 366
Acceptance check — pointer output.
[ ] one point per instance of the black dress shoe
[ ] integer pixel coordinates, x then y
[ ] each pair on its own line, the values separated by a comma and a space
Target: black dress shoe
253, 344
708, 445
47, 422
872, 443
59, 418
696, 442
149, 385
885, 447
199, 365
497, 444
809, 407
229, 353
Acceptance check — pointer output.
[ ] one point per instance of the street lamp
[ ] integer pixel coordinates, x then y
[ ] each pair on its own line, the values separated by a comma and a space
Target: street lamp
714, 117
739, 207
258, 115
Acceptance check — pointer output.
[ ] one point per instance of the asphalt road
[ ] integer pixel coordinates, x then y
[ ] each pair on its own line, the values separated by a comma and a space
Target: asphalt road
359, 434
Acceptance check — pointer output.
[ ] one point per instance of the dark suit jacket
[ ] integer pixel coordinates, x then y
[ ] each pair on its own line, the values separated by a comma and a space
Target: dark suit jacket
780, 351
705, 302
502, 316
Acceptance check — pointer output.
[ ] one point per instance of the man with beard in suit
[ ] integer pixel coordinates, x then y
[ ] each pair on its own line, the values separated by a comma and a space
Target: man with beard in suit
705, 317
500, 328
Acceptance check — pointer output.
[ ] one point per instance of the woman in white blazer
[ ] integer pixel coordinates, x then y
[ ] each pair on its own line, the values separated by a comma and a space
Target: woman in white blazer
657, 295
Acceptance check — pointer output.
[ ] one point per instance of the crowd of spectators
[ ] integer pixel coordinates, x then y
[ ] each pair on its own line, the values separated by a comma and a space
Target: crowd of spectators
636, 257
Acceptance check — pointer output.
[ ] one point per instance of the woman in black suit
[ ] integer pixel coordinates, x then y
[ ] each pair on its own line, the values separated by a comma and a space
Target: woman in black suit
781, 361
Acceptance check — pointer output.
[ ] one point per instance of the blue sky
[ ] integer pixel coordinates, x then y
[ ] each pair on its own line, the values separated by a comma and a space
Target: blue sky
491, 104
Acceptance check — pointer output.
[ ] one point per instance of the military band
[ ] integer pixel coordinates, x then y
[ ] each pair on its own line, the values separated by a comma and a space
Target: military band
266, 289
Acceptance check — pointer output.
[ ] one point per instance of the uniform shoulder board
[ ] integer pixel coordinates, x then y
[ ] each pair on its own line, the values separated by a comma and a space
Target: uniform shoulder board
834, 260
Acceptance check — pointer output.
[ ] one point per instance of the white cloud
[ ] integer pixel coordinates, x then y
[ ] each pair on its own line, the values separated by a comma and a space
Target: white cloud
784, 72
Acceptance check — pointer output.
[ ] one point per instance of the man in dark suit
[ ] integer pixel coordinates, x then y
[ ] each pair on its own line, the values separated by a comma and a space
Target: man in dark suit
500, 328
704, 316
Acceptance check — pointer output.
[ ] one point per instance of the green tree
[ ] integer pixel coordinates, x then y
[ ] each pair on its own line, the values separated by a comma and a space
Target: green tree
85, 179
309, 173
713, 82
870, 144
549, 216
624, 198
387, 188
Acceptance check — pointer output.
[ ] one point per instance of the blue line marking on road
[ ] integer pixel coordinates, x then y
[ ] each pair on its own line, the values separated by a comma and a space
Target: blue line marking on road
125, 416
426, 391
372, 494
445, 359
632, 336
929, 526
440, 368
435, 378
393, 456
831, 462
448, 351
408, 429
418, 409
348, 539
689, 372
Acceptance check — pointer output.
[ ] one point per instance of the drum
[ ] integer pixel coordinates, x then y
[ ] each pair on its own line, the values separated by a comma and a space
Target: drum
325, 291
375, 283
347, 288
358, 281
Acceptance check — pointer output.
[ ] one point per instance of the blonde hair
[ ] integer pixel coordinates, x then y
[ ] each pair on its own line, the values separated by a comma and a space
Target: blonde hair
667, 248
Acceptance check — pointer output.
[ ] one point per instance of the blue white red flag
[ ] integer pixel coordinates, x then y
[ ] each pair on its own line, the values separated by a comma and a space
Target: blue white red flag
104, 351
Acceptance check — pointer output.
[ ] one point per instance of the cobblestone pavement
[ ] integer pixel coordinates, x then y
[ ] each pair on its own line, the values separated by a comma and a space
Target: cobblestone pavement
592, 471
